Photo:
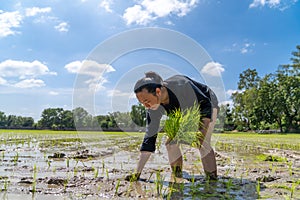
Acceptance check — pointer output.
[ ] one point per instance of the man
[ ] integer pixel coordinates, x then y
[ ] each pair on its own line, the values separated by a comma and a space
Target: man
176, 92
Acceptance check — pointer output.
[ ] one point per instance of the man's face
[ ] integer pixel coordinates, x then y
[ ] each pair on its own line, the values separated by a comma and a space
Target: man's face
149, 100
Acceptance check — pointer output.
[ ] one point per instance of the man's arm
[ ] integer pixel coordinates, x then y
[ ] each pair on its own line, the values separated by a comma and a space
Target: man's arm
148, 145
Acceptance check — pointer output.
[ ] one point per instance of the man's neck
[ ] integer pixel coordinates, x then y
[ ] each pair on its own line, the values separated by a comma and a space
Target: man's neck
165, 96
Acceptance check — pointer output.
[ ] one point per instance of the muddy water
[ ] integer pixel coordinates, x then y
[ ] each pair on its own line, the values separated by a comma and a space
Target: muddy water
93, 166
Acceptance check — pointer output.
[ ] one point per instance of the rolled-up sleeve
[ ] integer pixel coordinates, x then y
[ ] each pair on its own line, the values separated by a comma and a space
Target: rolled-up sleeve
152, 128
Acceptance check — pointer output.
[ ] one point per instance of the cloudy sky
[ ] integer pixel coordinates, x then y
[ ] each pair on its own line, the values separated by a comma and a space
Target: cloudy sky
47, 47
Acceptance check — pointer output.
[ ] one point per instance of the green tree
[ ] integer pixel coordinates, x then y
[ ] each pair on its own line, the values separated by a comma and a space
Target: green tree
123, 119
288, 81
3, 121
28, 122
81, 118
67, 120
248, 79
51, 117
244, 101
138, 115
226, 118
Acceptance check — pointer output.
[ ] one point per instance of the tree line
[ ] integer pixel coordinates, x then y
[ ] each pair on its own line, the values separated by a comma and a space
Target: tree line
271, 102
78, 118
268, 102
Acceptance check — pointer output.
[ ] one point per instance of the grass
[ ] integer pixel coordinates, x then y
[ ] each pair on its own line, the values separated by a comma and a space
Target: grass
250, 141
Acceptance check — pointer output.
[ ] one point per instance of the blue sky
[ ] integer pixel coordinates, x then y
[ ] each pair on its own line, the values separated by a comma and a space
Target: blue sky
43, 45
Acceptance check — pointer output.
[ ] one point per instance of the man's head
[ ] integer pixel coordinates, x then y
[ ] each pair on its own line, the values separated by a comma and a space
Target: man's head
148, 90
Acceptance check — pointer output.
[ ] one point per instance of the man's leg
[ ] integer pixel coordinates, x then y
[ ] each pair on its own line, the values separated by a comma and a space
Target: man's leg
207, 153
175, 159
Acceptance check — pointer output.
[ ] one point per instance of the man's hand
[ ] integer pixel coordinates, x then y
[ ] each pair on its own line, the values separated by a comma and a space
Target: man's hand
133, 177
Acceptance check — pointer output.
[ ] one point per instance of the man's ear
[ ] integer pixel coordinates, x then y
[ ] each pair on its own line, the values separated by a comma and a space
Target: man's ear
158, 92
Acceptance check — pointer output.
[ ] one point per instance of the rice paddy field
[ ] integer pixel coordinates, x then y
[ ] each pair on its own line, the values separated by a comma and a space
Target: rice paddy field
37, 164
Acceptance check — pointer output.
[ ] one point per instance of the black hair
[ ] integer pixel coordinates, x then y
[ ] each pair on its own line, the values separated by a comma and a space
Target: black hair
150, 82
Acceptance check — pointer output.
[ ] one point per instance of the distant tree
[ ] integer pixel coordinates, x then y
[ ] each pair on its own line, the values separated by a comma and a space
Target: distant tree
138, 115
51, 117
244, 101
270, 102
248, 79
3, 121
226, 118
67, 120
288, 81
81, 118
28, 122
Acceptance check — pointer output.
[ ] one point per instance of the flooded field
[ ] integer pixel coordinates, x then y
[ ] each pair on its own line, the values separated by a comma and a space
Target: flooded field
89, 165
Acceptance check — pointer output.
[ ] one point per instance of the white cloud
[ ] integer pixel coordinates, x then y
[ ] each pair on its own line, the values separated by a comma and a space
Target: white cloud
62, 27
213, 69
243, 48
230, 92
118, 93
30, 12
53, 93
29, 83
23, 69
3, 81
137, 15
95, 71
281, 4
247, 48
106, 4
89, 67
9, 21
149, 10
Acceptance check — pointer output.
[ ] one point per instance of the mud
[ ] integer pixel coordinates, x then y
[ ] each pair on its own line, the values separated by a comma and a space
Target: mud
63, 167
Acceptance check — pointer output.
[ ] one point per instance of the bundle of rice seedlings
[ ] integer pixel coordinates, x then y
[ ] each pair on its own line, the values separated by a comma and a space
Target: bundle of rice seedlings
182, 126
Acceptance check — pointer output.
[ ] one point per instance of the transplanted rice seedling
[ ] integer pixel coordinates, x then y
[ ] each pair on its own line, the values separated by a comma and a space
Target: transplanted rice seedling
159, 183
117, 187
182, 126
34, 178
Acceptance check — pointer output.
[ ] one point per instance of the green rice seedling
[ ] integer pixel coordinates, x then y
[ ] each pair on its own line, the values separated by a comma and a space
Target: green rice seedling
150, 176
182, 126
5, 184
76, 162
274, 168
293, 188
103, 166
66, 181
54, 170
3, 155
227, 171
117, 187
229, 184
96, 172
107, 174
16, 158
290, 164
258, 189
159, 183
75, 171
34, 178
49, 164
68, 162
